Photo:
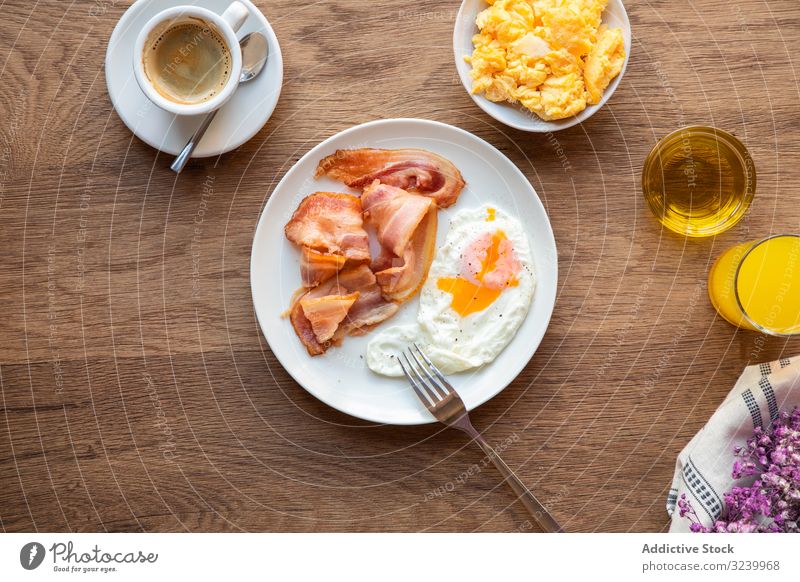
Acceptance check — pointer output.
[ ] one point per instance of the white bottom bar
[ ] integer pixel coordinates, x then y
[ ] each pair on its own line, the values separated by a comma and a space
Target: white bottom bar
400, 557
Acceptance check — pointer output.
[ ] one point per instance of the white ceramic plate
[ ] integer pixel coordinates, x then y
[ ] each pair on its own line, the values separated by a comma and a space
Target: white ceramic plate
237, 121
340, 377
515, 115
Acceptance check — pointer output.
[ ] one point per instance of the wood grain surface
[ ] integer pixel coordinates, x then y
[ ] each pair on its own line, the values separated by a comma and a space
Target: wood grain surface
138, 393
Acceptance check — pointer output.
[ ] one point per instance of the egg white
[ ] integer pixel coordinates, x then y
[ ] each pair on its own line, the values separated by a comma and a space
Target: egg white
452, 342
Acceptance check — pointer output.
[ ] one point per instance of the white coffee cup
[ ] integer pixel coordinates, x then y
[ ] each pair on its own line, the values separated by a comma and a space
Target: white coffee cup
225, 25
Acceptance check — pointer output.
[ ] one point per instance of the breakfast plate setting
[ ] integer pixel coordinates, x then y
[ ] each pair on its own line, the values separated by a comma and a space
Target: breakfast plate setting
404, 271
426, 218
342, 376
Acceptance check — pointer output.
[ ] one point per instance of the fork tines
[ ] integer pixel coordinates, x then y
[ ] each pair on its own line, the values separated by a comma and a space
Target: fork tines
425, 378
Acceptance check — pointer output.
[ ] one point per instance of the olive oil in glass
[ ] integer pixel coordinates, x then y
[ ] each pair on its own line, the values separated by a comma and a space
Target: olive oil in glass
699, 181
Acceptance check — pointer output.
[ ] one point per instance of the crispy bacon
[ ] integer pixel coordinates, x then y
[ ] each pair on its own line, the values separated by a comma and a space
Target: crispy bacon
406, 227
371, 308
368, 309
326, 313
304, 330
330, 224
316, 267
415, 170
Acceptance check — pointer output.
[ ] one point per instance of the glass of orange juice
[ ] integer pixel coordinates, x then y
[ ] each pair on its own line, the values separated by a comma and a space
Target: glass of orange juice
756, 285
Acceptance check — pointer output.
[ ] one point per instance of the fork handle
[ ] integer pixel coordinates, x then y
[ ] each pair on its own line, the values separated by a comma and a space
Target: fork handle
536, 509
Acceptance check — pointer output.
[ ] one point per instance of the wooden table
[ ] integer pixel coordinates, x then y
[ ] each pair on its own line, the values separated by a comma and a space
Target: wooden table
138, 393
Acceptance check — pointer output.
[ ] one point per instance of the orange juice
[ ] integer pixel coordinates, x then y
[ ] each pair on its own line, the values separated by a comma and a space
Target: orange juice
756, 285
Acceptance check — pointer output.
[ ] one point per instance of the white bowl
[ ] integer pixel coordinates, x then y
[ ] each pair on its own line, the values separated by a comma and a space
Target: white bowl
515, 115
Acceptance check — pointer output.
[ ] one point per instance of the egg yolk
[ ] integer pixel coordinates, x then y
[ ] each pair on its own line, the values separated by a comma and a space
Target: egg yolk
489, 266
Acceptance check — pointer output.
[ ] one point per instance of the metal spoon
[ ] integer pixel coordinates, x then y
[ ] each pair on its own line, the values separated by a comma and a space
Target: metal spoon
255, 52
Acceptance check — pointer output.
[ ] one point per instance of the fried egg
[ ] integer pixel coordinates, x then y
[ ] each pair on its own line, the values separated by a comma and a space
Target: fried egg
552, 56
478, 291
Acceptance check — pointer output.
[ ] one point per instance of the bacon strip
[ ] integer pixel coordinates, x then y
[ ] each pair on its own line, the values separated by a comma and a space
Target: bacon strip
304, 330
330, 223
406, 227
316, 267
371, 308
415, 170
326, 313
367, 310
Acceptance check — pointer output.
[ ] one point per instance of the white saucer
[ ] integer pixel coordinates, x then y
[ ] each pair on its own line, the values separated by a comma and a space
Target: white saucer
238, 120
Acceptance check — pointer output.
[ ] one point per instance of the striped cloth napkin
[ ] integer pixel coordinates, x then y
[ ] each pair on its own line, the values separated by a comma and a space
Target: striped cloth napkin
703, 469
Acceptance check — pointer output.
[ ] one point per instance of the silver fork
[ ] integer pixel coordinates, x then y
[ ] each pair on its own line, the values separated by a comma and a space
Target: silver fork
442, 400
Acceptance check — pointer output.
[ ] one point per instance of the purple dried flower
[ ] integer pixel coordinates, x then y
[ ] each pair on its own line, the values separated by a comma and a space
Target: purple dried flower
687, 511
772, 502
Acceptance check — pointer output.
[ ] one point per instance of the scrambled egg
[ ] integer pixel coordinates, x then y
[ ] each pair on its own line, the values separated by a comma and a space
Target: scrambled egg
552, 56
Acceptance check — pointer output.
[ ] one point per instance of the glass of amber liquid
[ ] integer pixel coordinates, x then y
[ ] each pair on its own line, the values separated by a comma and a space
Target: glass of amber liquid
756, 285
699, 181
